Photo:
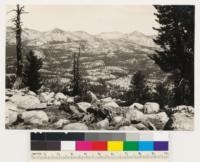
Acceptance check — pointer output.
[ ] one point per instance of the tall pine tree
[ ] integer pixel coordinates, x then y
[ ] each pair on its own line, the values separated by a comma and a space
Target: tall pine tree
31, 75
176, 40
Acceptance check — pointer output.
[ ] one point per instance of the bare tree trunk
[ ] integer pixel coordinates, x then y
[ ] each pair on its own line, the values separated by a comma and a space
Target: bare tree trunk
17, 22
75, 75
78, 70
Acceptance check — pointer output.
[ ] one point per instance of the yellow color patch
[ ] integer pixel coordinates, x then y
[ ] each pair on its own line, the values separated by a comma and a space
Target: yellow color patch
115, 146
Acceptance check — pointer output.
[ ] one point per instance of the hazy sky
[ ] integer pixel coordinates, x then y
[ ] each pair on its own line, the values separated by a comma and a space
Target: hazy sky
92, 19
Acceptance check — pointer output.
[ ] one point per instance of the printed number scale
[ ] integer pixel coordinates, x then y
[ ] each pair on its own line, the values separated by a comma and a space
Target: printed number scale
106, 156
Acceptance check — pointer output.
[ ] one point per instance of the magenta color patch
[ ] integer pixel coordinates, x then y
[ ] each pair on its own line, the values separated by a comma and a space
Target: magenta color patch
83, 146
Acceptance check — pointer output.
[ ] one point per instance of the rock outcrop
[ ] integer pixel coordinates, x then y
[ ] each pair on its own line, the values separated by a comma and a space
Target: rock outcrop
137, 106
158, 120
11, 113
25, 102
60, 96
83, 106
180, 121
103, 124
151, 107
135, 116
35, 117
75, 126
46, 97
47, 110
60, 123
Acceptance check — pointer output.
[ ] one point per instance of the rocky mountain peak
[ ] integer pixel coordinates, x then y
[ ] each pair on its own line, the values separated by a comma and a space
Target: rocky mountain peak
57, 30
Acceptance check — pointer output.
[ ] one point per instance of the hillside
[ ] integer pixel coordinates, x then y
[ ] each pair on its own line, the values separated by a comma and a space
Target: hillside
113, 56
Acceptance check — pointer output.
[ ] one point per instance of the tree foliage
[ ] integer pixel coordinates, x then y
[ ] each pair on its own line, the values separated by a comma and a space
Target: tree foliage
31, 75
139, 91
164, 94
176, 55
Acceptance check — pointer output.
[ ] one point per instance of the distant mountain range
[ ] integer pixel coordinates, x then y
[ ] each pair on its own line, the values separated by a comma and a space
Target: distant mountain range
111, 56
35, 37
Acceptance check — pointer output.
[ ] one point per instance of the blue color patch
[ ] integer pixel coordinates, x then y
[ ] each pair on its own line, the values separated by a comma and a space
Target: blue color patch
146, 146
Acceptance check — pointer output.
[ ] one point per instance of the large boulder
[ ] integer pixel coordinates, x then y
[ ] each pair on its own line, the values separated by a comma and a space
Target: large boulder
24, 102
135, 116
118, 119
16, 97
103, 124
158, 120
28, 102
31, 93
151, 107
35, 117
180, 121
75, 126
46, 97
70, 100
83, 106
137, 106
111, 105
11, 113
141, 126
149, 125
60, 96
128, 128
11, 106
37, 106
60, 123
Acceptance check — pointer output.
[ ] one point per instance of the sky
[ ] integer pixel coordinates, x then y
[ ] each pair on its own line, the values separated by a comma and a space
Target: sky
92, 19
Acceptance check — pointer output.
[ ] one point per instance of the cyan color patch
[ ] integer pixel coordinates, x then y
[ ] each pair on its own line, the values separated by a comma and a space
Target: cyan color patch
146, 146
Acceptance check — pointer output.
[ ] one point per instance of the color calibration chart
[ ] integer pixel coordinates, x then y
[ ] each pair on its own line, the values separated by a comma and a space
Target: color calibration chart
109, 147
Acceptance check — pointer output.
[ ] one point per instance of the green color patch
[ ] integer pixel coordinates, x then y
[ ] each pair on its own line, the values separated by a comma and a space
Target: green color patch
130, 146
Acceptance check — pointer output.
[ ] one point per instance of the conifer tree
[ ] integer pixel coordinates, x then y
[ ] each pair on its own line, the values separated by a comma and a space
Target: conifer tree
163, 95
31, 75
176, 54
138, 89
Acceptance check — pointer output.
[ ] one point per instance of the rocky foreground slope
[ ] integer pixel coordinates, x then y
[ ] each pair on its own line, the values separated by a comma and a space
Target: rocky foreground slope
47, 110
